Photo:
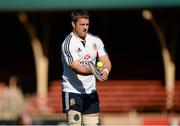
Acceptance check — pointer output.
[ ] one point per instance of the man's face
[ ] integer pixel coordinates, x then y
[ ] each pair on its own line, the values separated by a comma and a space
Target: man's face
81, 27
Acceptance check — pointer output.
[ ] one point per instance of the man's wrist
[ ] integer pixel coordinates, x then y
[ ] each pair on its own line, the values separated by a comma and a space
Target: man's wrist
106, 70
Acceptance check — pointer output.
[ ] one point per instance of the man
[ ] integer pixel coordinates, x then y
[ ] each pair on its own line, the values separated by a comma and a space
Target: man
80, 98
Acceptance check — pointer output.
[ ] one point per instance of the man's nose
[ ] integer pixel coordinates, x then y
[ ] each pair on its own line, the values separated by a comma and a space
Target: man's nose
85, 27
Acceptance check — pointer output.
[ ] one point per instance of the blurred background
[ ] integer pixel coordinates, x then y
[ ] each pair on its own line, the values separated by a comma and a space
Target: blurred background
141, 38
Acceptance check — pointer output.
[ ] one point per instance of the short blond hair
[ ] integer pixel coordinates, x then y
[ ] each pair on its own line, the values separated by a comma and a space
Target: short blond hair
75, 15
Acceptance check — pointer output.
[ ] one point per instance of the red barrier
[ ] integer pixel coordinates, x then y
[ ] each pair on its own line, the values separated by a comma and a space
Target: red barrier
124, 95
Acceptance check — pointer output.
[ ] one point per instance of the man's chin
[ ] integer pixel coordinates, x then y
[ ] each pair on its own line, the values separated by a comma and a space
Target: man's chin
83, 36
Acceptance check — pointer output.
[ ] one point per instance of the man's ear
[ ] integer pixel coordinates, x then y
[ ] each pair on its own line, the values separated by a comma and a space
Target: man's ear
73, 24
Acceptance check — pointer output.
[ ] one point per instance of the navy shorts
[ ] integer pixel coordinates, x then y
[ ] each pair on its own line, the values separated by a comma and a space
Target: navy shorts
83, 103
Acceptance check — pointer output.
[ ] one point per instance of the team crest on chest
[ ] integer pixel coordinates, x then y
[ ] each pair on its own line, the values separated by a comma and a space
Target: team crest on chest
94, 47
79, 50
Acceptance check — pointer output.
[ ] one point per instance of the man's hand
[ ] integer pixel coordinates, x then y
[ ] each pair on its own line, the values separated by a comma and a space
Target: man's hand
104, 74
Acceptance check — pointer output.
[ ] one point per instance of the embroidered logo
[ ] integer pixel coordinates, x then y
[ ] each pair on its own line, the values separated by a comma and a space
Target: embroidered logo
87, 57
94, 46
79, 50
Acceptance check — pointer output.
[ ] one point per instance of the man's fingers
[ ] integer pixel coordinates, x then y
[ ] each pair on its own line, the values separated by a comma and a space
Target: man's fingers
104, 75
